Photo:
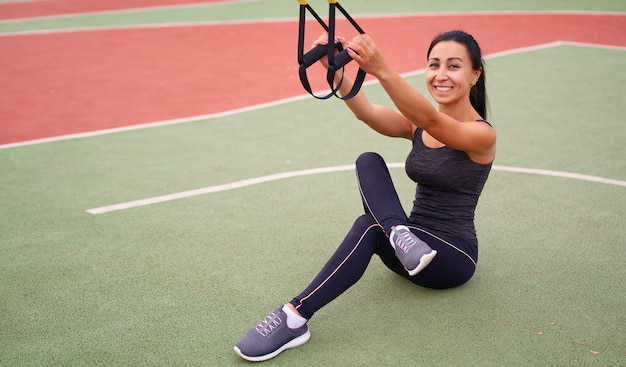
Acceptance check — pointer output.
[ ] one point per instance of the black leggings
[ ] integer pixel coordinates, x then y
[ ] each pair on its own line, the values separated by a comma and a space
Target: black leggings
454, 264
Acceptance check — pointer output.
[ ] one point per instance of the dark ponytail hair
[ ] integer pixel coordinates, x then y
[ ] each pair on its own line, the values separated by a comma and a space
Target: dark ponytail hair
478, 93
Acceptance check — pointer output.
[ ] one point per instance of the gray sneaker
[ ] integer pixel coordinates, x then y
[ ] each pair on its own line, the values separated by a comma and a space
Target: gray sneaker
271, 337
413, 253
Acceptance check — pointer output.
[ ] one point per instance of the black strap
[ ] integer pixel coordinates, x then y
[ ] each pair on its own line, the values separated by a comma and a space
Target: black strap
335, 62
311, 57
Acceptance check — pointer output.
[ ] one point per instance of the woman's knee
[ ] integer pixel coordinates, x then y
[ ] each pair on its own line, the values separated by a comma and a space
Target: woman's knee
366, 230
366, 226
364, 222
367, 159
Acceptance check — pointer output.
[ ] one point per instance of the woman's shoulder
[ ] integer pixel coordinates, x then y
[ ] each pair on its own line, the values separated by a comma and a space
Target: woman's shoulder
485, 121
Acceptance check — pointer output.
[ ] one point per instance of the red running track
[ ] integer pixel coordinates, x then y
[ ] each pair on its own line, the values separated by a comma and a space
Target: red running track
72, 82
39, 8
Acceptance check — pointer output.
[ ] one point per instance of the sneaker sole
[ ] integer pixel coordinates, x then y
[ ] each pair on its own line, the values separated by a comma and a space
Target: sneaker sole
292, 344
424, 261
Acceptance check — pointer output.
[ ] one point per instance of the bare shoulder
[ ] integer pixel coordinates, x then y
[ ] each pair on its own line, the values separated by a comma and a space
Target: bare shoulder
483, 149
482, 127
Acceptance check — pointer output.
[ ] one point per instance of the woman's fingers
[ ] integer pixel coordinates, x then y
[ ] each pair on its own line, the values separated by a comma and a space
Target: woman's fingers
364, 51
323, 40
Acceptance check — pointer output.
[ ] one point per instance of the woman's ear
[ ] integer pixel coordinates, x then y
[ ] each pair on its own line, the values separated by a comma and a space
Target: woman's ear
477, 74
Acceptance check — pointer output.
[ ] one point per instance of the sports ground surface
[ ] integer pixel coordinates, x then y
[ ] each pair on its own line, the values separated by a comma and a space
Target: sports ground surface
166, 182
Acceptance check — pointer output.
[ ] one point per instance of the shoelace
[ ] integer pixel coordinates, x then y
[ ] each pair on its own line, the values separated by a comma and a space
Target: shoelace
269, 324
405, 245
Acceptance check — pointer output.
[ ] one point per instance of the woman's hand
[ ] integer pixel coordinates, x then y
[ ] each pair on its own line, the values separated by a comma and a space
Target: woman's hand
370, 58
322, 40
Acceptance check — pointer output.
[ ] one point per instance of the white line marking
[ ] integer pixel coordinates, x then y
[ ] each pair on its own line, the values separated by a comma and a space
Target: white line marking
267, 20
562, 174
315, 171
153, 124
212, 189
277, 102
122, 11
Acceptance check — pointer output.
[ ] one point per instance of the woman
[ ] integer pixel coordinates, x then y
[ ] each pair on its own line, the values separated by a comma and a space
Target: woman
453, 149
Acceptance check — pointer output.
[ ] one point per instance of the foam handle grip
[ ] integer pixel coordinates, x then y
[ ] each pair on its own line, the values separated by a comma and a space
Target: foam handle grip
314, 55
342, 58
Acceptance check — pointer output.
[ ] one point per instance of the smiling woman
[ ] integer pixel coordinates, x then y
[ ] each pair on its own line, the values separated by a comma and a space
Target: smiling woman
440, 71
455, 78
177, 283
453, 149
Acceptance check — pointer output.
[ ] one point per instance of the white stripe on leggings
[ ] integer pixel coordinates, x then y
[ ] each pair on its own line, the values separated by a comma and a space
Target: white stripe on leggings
338, 267
444, 241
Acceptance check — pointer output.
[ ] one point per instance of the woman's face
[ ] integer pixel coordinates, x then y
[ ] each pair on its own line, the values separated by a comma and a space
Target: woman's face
449, 73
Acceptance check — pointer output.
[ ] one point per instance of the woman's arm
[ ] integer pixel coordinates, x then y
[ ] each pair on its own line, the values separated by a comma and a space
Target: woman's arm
380, 118
470, 136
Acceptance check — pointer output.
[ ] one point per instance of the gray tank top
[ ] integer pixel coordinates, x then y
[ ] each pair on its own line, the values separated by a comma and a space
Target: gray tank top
449, 184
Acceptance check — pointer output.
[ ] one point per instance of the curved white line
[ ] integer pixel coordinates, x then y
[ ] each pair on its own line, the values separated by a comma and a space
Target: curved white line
212, 189
267, 20
562, 174
315, 171
122, 11
276, 102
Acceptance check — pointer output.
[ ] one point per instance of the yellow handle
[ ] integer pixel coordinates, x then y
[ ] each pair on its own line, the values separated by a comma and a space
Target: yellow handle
333, 1
303, 2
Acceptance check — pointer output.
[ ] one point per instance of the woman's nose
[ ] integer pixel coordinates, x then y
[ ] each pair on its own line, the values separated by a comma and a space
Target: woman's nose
441, 74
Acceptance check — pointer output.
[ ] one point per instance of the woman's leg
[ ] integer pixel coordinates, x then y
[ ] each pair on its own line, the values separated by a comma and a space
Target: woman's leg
378, 192
344, 268
381, 200
454, 264
284, 328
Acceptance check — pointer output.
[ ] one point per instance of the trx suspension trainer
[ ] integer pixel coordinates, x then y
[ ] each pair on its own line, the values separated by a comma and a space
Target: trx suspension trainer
335, 62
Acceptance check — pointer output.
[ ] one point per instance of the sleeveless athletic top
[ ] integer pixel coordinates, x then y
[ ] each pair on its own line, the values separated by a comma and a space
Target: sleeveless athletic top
449, 184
